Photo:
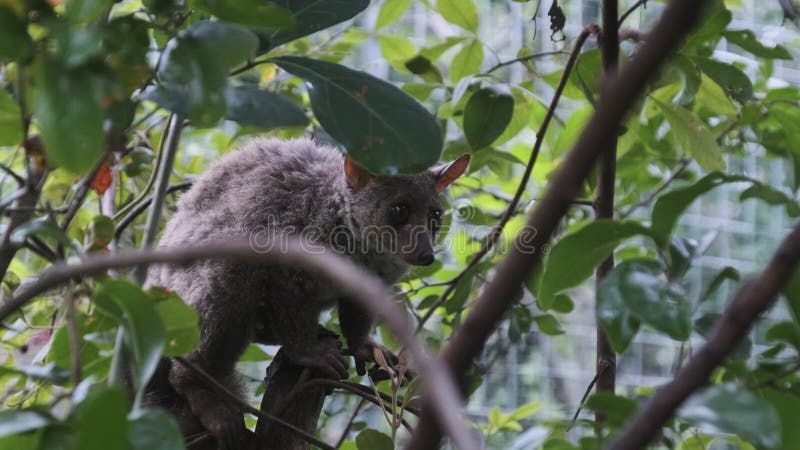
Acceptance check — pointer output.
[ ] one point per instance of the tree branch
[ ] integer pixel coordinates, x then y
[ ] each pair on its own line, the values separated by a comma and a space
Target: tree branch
630, 11
497, 231
752, 299
498, 295
606, 358
523, 59
361, 286
142, 207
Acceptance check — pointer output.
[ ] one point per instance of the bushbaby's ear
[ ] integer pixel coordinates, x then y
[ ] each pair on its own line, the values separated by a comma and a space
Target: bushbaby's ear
357, 176
448, 172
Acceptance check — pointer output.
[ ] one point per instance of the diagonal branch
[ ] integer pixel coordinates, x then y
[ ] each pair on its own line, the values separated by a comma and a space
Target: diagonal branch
355, 282
498, 295
753, 299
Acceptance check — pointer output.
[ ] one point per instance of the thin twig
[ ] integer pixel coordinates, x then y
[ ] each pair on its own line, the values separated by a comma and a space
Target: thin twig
142, 207
83, 190
585, 396
352, 280
630, 11
350, 422
524, 58
211, 382
17, 177
497, 231
74, 338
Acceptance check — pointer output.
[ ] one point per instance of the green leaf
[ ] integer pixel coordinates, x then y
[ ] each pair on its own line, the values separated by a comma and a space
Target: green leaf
786, 406
383, 128
715, 18
44, 228
252, 13
310, 16
728, 273
692, 135
526, 410
396, 50
548, 324
21, 420
670, 206
180, 322
67, 106
467, 61
771, 196
15, 43
463, 13
732, 80
640, 285
264, 109
690, 77
10, 120
86, 10
198, 61
791, 290
373, 440
144, 330
390, 11
747, 40
595, 242
486, 115
619, 324
99, 421
615, 408
727, 408
155, 429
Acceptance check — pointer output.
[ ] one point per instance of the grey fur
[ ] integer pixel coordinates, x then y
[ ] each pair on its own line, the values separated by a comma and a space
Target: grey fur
282, 186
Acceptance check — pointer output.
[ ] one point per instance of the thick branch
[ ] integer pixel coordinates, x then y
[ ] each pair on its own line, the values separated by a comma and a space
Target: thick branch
498, 295
606, 360
749, 303
354, 282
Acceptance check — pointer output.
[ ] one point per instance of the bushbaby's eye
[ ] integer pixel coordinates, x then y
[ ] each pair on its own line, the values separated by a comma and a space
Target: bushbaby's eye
399, 213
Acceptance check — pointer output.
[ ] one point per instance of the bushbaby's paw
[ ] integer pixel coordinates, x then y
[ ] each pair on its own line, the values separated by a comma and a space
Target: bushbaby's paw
323, 356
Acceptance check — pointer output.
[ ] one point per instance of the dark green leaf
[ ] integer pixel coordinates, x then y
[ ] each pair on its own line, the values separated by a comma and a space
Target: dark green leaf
690, 76
727, 408
594, 242
692, 135
548, 324
180, 322
15, 43
10, 120
747, 40
728, 273
384, 129
422, 66
619, 324
136, 313
99, 421
20, 421
786, 406
373, 440
463, 13
70, 117
669, 207
43, 228
792, 293
264, 109
197, 61
155, 429
735, 83
486, 115
171, 96
86, 10
715, 18
772, 196
615, 408
310, 16
253, 13
639, 284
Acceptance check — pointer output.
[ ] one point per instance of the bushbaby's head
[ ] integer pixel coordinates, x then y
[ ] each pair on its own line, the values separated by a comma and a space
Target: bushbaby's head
401, 214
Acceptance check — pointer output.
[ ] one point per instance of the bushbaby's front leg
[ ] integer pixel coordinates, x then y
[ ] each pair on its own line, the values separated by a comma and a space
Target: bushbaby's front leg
298, 330
356, 324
